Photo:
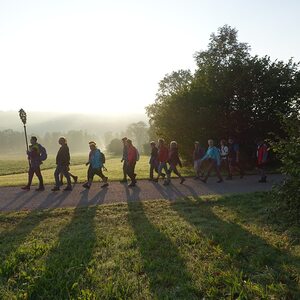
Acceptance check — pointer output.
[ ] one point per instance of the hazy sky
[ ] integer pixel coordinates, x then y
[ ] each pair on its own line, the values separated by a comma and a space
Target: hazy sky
104, 56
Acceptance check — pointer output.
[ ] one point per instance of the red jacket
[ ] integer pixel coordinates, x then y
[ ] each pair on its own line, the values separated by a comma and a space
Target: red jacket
262, 154
132, 155
163, 154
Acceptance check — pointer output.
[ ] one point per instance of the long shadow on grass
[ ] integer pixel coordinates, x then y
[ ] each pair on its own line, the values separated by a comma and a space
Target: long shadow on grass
256, 208
250, 254
66, 264
11, 240
166, 270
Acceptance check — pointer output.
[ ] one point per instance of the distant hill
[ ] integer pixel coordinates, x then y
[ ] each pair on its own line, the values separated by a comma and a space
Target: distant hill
42, 122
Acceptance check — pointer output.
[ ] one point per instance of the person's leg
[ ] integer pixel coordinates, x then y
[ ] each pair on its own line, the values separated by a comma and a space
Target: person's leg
230, 169
40, 177
210, 167
182, 179
56, 177
124, 171
130, 173
65, 172
217, 169
152, 168
61, 179
30, 176
262, 173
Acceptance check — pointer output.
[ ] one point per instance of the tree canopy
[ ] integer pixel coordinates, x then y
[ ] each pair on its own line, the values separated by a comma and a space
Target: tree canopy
231, 93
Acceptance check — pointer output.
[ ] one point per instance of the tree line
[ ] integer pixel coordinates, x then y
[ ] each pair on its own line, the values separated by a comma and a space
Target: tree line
231, 93
13, 142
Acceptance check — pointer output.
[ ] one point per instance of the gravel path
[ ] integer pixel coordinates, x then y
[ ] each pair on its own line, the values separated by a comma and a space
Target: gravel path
15, 199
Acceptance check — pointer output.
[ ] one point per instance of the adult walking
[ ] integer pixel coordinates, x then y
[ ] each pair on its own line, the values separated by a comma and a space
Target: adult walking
154, 161
62, 165
36, 154
173, 161
198, 153
262, 157
213, 157
124, 160
131, 162
234, 158
163, 155
96, 162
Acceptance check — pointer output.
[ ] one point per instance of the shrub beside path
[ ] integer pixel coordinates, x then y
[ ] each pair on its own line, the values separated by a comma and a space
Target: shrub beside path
15, 199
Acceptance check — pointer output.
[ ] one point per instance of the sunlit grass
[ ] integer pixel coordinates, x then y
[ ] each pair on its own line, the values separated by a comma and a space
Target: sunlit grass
212, 248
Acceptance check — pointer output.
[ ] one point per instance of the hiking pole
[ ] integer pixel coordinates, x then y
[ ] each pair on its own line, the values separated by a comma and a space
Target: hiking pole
23, 118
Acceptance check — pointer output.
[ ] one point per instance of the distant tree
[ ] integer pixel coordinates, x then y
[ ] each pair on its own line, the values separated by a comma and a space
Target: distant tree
138, 132
115, 147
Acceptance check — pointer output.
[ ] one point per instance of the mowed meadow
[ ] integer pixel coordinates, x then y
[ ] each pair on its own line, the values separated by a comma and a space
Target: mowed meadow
195, 248
13, 169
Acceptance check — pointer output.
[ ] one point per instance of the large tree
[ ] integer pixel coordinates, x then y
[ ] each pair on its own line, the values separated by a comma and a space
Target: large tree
230, 93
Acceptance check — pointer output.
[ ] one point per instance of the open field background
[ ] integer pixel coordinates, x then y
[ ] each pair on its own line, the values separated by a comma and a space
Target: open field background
195, 248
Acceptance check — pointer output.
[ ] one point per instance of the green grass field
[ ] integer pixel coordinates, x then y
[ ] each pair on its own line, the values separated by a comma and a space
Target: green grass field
13, 171
208, 248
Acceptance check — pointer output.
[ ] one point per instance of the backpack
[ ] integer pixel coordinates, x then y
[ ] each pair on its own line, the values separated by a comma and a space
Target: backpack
43, 153
102, 156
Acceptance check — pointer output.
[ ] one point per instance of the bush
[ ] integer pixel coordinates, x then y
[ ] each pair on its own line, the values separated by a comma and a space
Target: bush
287, 194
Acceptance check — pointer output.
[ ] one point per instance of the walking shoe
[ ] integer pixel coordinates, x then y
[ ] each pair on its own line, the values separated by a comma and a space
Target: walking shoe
203, 180
104, 185
40, 189
220, 180
132, 184
182, 180
263, 180
163, 175
155, 180
86, 185
26, 188
75, 179
68, 188
61, 183
56, 188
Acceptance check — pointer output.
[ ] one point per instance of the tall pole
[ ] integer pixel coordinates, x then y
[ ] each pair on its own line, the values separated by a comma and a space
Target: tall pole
23, 118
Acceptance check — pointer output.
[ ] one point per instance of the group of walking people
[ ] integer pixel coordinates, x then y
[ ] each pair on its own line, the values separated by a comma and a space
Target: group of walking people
164, 160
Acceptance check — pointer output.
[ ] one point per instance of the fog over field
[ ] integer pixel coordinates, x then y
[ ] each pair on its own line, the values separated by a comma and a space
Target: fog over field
42, 122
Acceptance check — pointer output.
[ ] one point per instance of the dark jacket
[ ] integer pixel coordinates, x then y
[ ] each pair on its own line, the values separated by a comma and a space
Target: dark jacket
154, 156
63, 156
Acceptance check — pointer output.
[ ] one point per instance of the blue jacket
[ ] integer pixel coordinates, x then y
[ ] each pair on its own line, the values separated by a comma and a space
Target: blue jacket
213, 153
95, 159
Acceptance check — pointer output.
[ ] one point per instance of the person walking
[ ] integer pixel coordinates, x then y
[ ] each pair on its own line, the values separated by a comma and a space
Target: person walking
154, 161
62, 164
262, 157
124, 160
133, 157
198, 153
163, 155
213, 157
234, 158
224, 151
95, 163
173, 161
36, 154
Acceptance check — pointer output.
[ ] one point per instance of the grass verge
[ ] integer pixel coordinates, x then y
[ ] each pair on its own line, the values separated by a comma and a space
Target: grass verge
222, 247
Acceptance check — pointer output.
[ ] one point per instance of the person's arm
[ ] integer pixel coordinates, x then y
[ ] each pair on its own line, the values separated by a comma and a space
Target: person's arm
206, 156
